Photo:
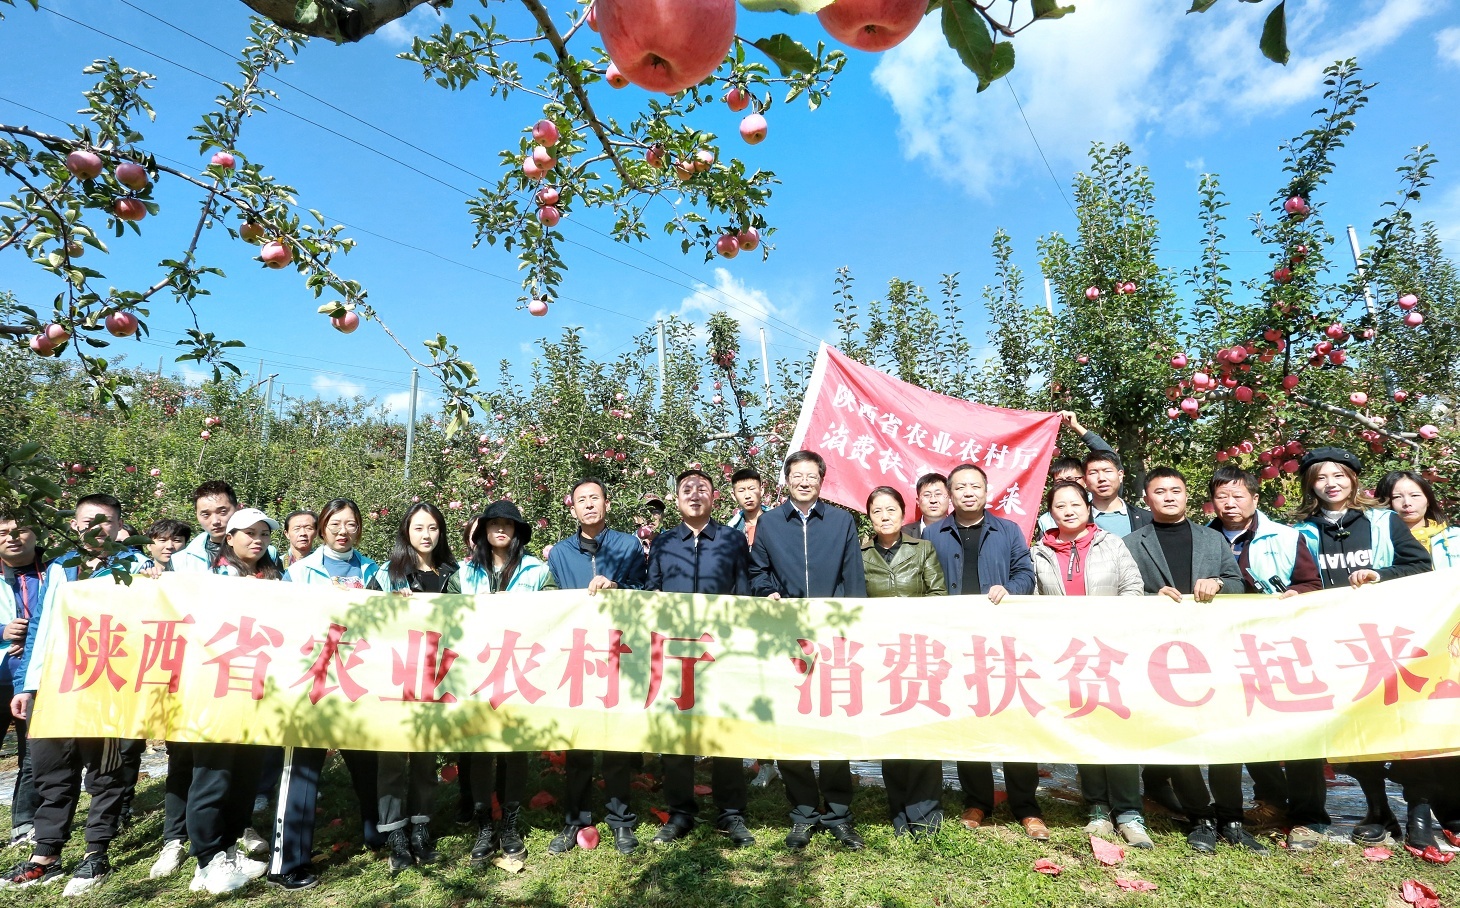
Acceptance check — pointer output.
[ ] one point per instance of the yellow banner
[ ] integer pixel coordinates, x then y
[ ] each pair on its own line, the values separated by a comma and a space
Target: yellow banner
1335, 674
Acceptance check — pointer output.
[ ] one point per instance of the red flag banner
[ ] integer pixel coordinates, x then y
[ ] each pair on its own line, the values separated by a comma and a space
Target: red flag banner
876, 430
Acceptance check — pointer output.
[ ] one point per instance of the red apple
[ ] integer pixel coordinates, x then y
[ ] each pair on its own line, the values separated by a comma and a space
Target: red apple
1291, 466
1335, 331
1243, 394
549, 215
132, 175
737, 98
347, 323
1337, 357
728, 246
548, 195
1083, 360
545, 132
1428, 432
684, 170
1323, 348
1290, 382
704, 159
1282, 275
1237, 354
1358, 399
1269, 472
530, 168
251, 232
753, 129
83, 164
1279, 501
1408, 301
1297, 206
276, 254
1221, 456
1413, 319
749, 239
1178, 361
872, 25
121, 324
42, 345
1173, 413
1401, 396
655, 156
593, 18
615, 77
1130, 287
75, 250
666, 45
57, 333
543, 158
1092, 293
129, 209
225, 160
538, 307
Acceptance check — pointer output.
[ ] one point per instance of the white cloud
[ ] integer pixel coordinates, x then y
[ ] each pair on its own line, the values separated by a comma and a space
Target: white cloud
399, 404
753, 308
192, 375
333, 386
1446, 215
1448, 44
1116, 71
419, 21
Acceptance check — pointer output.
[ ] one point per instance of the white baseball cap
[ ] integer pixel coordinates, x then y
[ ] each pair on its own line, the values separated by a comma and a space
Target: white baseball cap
247, 517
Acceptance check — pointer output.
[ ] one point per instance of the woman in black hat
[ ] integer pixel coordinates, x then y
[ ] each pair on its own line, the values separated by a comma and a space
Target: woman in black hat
500, 563
1357, 542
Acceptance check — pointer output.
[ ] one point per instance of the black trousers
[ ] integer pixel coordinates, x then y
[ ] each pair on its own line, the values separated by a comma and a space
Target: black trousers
618, 773
914, 793
57, 767
807, 793
131, 753
1269, 783
407, 787
1222, 802
1021, 782
220, 798
481, 774
23, 799
1117, 788
175, 802
727, 781
1307, 793
298, 792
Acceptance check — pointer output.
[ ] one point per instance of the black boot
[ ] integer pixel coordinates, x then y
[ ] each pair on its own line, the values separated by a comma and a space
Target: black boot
422, 846
1423, 829
485, 847
508, 836
398, 846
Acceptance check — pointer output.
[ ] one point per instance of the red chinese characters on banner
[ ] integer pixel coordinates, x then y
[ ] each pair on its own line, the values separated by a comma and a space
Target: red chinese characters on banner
875, 430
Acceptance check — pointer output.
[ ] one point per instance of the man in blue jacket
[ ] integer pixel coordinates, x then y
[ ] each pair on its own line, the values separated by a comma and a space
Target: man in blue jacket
987, 555
597, 558
21, 595
806, 548
701, 555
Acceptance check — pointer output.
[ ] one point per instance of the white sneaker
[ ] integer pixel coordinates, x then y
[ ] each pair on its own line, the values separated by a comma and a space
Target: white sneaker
91, 873
171, 859
253, 843
246, 865
220, 876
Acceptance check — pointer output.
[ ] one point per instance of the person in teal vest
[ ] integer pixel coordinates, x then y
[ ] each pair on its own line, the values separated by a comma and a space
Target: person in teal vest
1356, 542
1413, 499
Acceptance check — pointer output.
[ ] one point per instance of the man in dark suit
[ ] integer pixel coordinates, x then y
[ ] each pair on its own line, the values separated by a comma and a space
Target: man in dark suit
933, 503
1104, 475
807, 548
1179, 558
988, 555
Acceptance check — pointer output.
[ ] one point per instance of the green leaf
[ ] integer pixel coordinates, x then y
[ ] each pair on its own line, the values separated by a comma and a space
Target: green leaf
1003, 61
788, 55
969, 36
1274, 42
1200, 6
785, 6
1050, 9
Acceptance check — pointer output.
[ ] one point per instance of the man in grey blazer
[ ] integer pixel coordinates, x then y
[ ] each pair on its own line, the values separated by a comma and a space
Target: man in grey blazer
1179, 558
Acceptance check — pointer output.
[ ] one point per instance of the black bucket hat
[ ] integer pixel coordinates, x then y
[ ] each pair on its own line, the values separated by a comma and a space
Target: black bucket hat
1335, 455
503, 510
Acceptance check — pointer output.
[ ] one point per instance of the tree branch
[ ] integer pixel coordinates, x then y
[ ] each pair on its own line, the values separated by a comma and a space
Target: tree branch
1407, 438
338, 21
550, 31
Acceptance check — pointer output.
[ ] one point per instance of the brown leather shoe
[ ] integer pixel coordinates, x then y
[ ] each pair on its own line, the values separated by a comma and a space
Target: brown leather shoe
1034, 827
972, 818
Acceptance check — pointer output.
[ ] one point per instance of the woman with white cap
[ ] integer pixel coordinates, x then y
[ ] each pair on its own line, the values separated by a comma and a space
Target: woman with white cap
220, 797
500, 563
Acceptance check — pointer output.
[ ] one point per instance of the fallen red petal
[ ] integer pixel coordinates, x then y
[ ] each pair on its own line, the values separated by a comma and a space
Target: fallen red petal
1045, 865
541, 800
588, 837
1452, 838
1378, 853
1431, 854
660, 814
702, 790
1413, 891
1106, 853
1136, 885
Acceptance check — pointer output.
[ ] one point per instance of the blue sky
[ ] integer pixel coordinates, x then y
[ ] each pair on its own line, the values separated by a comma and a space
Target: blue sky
903, 172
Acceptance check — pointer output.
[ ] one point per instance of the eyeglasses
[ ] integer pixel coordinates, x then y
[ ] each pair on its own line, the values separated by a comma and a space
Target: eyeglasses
342, 527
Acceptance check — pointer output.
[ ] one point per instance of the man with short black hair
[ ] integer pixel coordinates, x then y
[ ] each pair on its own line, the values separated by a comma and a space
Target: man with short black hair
748, 491
1104, 474
933, 503
21, 595
58, 764
300, 530
701, 555
983, 554
213, 503
597, 558
168, 538
806, 548
1178, 558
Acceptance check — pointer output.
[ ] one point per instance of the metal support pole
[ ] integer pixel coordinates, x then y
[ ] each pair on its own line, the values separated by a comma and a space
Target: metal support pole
268, 411
1048, 297
661, 362
1353, 245
411, 422
765, 363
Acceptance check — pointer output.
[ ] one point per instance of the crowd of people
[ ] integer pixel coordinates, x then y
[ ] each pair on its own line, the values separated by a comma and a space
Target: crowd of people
1090, 542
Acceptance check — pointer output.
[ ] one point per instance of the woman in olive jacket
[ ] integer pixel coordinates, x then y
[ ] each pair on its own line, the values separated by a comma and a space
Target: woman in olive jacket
898, 565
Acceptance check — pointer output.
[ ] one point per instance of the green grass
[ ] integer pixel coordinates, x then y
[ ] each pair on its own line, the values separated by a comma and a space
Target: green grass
993, 867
